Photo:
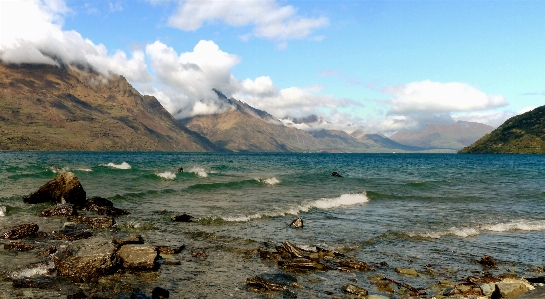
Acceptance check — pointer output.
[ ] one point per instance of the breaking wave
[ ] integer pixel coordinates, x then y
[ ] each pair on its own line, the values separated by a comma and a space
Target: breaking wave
123, 165
270, 181
322, 204
167, 175
199, 171
3, 211
465, 232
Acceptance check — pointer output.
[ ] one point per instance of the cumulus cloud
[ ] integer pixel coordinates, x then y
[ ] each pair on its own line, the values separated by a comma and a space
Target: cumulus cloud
270, 20
437, 97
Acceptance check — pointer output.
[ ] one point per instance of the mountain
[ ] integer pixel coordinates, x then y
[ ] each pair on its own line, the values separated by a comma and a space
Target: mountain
521, 134
244, 128
453, 136
44, 107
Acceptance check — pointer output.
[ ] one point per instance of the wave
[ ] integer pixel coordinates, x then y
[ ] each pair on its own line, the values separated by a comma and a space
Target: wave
84, 169
270, 181
123, 165
3, 211
322, 204
199, 171
167, 175
56, 169
466, 232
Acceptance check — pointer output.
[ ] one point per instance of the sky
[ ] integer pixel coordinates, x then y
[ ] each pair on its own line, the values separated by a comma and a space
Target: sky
377, 66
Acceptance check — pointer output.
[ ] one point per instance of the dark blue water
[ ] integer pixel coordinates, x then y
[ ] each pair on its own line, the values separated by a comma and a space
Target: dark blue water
407, 210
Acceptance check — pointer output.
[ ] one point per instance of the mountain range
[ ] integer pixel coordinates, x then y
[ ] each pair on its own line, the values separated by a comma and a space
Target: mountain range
44, 107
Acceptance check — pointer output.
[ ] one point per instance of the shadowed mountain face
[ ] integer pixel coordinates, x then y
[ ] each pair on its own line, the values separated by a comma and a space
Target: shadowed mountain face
454, 136
521, 134
44, 107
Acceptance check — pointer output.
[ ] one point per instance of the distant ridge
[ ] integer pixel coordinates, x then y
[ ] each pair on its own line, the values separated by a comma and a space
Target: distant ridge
521, 134
44, 107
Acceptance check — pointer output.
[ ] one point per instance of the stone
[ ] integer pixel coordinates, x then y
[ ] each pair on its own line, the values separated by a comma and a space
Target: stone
487, 288
71, 234
336, 174
60, 210
170, 249
354, 290
98, 201
94, 222
64, 188
259, 284
20, 231
182, 218
159, 293
410, 272
292, 250
301, 265
297, 223
510, 289
18, 246
86, 260
487, 261
361, 266
130, 239
48, 251
385, 286
137, 256
536, 279
39, 282
106, 210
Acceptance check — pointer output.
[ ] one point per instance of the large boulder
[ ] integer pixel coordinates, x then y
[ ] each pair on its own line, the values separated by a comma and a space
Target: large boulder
64, 188
138, 256
86, 260
20, 231
60, 210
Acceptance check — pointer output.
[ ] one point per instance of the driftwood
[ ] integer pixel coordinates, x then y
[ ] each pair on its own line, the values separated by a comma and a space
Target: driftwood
407, 286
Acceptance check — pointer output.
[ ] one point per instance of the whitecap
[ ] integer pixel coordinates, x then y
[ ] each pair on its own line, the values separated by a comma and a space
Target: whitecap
167, 175
123, 165
270, 181
521, 225
199, 171
84, 169
3, 211
40, 269
56, 169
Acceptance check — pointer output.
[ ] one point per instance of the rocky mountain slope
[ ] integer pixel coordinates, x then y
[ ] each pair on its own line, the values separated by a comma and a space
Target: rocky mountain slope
454, 136
44, 107
244, 128
521, 134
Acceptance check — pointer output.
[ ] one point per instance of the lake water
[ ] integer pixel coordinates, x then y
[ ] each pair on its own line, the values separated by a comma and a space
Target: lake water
435, 213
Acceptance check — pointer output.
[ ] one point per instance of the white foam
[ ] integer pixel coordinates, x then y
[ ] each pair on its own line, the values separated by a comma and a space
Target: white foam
324, 203
56, 169
199, 171
3, 210
270, 181
40, 269
123, 165
454, 231
524, 225
166, 175
84, 169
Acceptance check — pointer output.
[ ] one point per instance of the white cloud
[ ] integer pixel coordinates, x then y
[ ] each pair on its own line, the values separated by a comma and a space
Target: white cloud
437, 97
270, 20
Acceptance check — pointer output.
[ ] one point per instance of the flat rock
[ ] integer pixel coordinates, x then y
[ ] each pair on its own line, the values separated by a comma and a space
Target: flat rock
63, 210
354, 290
18, 246
20, 231
40, 282
94, 222
128, 239
170, 249
137, 256
86, 260
410, 272
64, 188
510, 289
260, 284
71, 234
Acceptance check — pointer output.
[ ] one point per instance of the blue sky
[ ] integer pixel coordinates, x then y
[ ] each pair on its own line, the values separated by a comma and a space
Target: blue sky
380, 66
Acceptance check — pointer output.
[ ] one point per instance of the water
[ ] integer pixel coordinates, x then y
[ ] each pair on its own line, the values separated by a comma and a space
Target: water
419, 211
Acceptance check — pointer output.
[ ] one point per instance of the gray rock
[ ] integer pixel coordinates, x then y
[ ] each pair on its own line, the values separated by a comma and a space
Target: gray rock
510, 289
60, 210
94, 222
20, 231
71, 234
354, 290
259, 284
137, 256
64, 188
297, 223
86, 260
130, 239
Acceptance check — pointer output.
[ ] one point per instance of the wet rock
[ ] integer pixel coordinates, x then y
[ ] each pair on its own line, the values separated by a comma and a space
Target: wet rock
336, 174
410, 272
330, 253
48, 251
182, 218
509, 289
302, 265
536, 279
297, 223
269, 256
170, 249
159, 293
86, 260
361, 266
137, 256
71, 234
78, 295
106, 210
18, 246
385, 286
130, 239
64, 188
354, 290
20, 231
487, 261
60, 210
40, 282
98, 201
259, 284
94, 222
292, 250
